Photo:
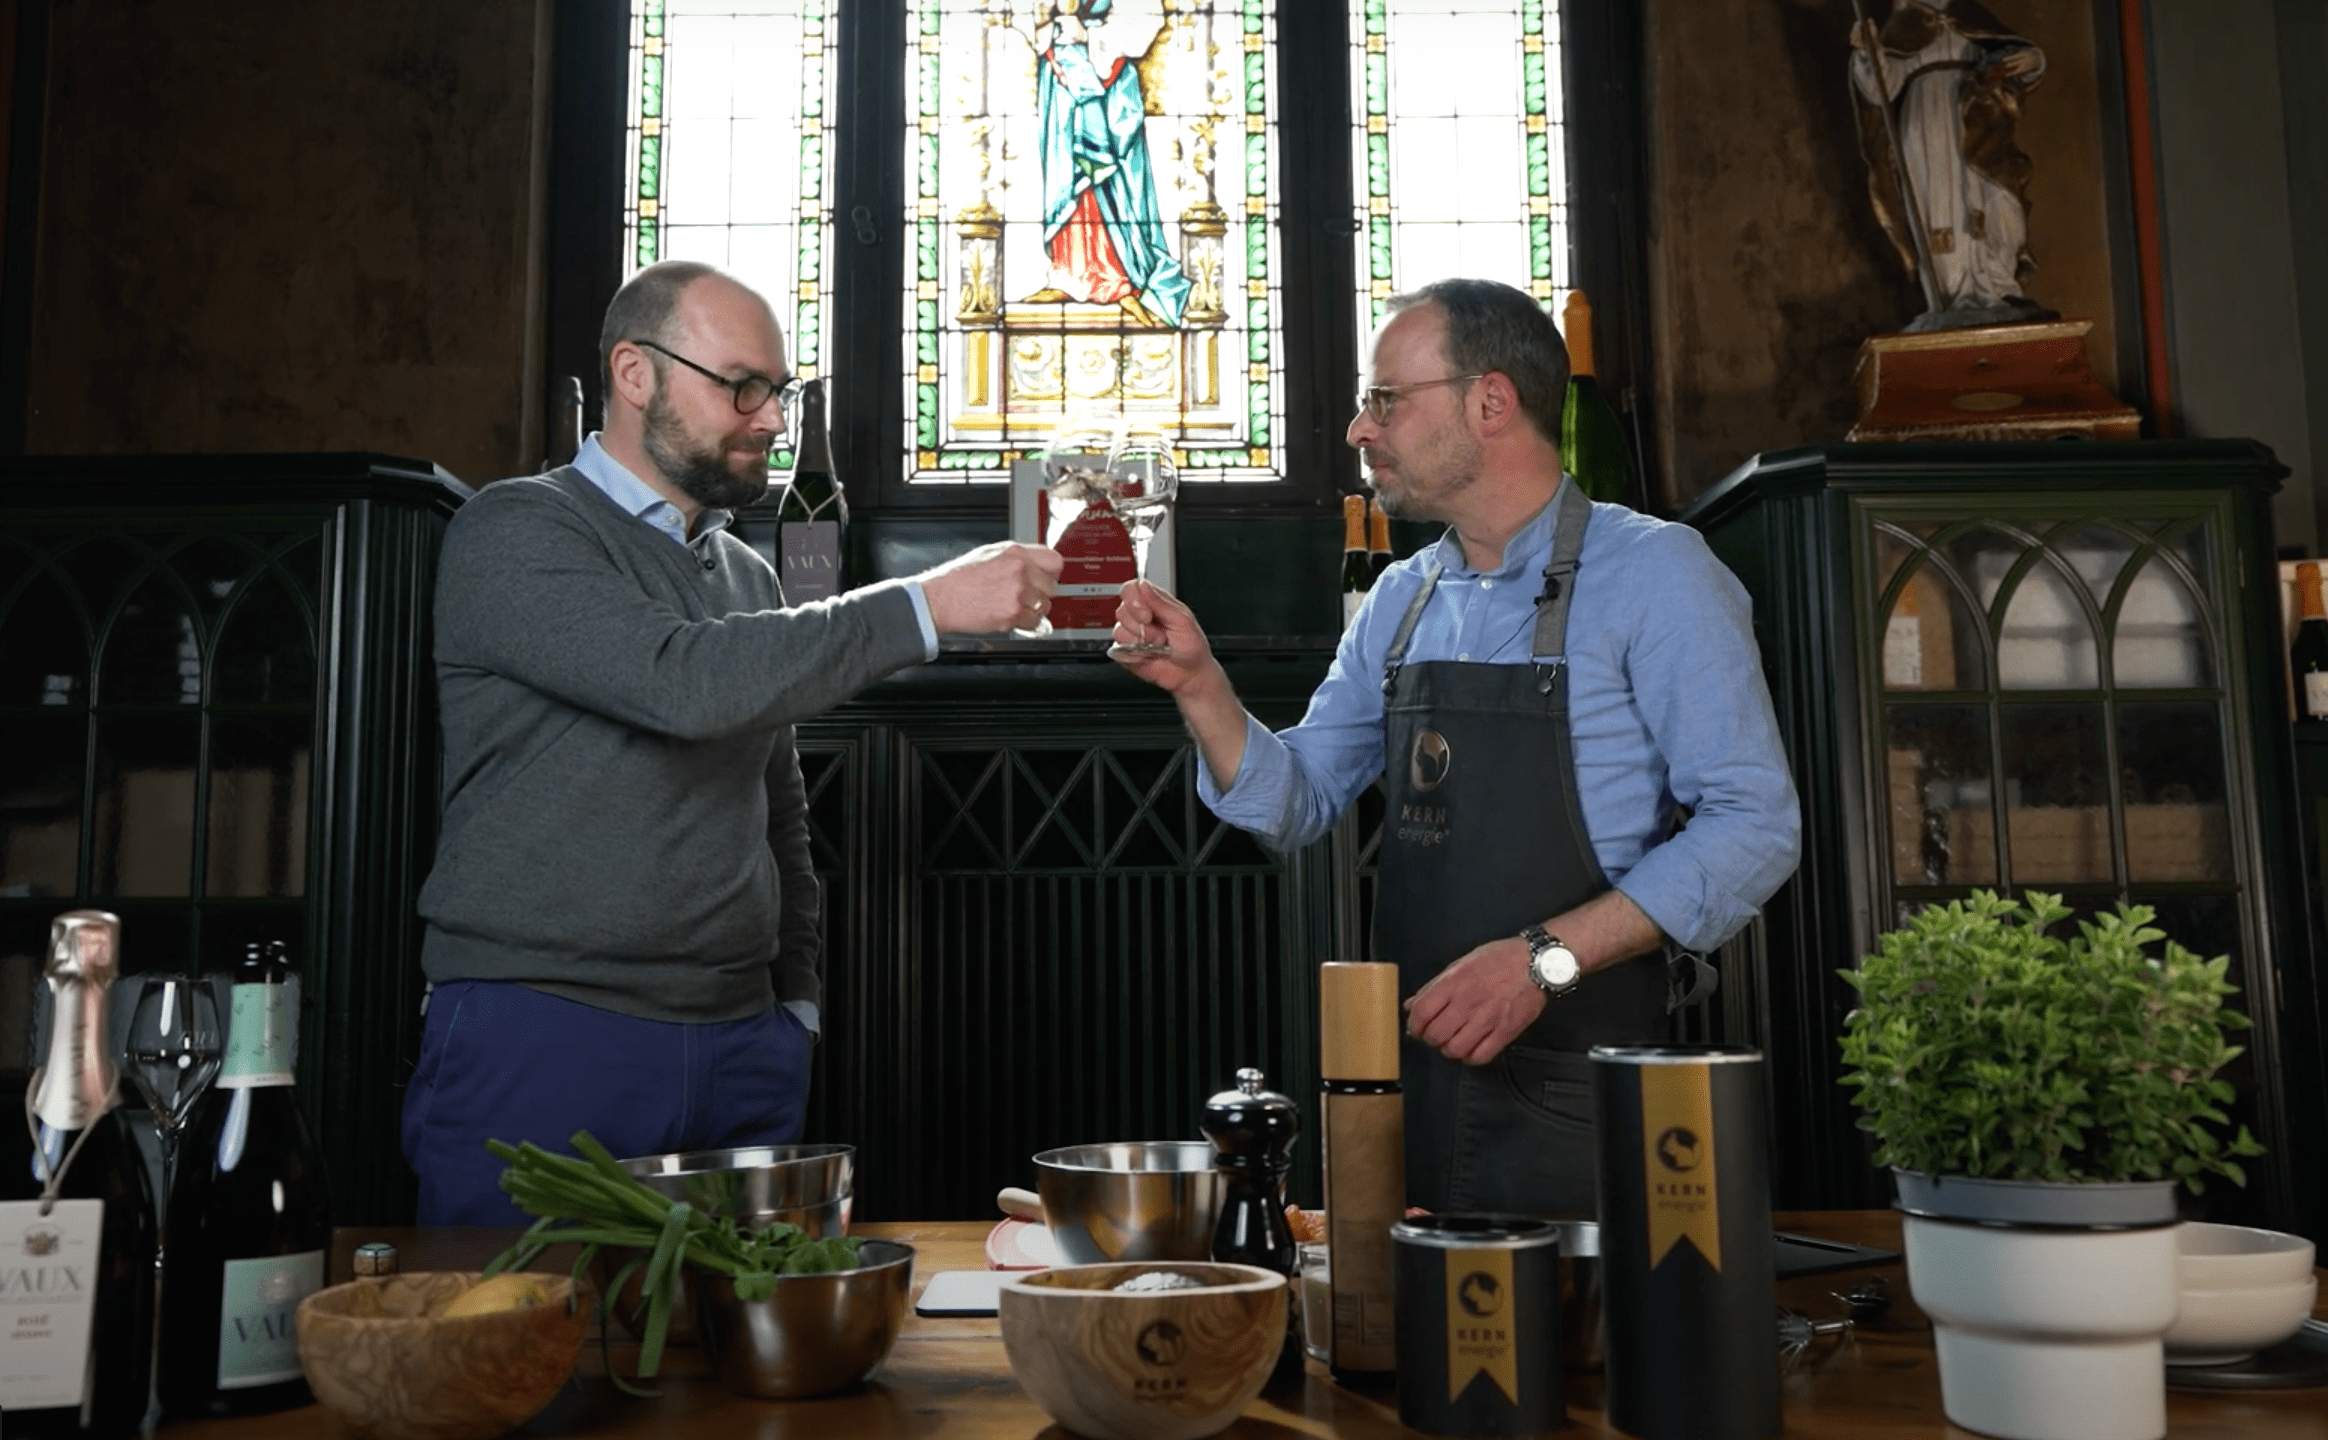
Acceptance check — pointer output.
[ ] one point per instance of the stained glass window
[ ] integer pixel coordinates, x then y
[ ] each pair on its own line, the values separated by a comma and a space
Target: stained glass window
1457, 146
1092, 192
730, 124
1091, 227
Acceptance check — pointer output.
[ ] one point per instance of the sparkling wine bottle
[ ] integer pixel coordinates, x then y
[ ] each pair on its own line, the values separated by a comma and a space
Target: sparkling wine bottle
249, 1218
1357, 577
2309, 653
1592, 439
812, 521
77, 1228
1377, 540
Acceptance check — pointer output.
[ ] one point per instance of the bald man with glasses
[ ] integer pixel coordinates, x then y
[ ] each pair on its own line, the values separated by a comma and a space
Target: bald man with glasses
622, 922
1566, 708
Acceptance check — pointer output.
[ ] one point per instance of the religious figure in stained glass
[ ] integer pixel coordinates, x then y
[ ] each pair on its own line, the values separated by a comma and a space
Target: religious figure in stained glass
1091, 229
1101, 224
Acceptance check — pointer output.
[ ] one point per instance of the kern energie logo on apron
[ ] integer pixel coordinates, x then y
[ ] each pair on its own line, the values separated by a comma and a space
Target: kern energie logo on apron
1428, 763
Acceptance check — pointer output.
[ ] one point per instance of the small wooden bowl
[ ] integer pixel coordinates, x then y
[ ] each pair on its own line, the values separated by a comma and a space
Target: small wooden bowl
1144, 1365
379, 1354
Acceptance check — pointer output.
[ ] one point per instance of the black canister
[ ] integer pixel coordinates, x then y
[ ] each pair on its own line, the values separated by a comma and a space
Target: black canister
1479, 1324
1688, 1265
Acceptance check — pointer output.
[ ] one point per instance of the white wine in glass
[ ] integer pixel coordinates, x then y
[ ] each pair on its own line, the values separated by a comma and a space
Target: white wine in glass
1144, 479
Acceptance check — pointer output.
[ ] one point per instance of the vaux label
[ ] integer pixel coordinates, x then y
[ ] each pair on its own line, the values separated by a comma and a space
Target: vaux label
1479, 1322
48, 1298
1677, 1161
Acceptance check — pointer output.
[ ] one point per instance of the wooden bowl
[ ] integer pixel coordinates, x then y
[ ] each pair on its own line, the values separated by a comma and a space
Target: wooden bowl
1144, 1365
379, 1355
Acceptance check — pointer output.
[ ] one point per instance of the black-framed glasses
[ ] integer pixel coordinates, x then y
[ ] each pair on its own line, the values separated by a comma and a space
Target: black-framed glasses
749, 393
1376, 400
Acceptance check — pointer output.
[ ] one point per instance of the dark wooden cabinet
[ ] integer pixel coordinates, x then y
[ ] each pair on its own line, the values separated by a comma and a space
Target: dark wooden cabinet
2052, 667
220, 725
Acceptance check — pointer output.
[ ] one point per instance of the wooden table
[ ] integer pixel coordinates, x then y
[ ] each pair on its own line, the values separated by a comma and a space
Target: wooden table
950, 1377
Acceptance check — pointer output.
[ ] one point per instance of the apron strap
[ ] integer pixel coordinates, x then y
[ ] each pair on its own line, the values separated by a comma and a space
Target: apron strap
1551, 638
1688, 977
1406, 629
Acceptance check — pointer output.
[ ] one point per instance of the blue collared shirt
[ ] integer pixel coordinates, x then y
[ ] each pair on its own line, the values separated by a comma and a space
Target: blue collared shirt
1667, 707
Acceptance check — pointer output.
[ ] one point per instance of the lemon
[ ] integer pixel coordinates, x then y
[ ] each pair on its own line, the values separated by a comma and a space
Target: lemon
509, 1291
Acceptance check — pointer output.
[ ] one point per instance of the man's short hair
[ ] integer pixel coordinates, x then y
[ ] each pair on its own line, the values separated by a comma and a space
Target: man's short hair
645, 308
1491, 326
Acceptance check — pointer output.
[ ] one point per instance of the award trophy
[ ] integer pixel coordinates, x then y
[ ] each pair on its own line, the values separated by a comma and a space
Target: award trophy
1106, 495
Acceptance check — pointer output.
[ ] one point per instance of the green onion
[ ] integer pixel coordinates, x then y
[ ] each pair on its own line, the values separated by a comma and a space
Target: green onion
593, 1202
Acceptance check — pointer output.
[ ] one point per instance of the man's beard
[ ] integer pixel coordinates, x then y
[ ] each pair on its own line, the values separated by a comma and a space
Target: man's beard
1448, 465
702, 475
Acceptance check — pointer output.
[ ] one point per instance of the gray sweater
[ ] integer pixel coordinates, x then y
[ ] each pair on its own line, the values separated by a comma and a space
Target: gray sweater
624, 819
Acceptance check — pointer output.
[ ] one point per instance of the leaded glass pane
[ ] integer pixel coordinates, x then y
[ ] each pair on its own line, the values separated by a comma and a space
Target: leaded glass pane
2057, 793
2170, 767
2046, 640
146, 770
1091, 226
1457, 147
40, 806
730, 123
2162, 633
1940, 817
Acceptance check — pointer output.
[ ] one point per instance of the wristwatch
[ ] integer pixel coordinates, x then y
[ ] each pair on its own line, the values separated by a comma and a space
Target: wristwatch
1552, 965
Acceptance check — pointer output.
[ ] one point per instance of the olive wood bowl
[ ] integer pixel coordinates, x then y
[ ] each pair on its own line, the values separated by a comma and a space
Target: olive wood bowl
1143, 1365
379, 1354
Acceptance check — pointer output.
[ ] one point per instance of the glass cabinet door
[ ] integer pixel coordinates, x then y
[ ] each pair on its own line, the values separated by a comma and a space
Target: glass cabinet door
2050, 678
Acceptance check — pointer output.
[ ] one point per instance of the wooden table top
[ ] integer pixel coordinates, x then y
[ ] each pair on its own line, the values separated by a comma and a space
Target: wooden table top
951, 1376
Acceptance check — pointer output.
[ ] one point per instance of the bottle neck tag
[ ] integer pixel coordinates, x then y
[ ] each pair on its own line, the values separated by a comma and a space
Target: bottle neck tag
262, 1037
52, 1257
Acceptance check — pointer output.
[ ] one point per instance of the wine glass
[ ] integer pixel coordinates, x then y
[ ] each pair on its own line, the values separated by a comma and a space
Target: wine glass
1075, 480
1144, 479
173, 1051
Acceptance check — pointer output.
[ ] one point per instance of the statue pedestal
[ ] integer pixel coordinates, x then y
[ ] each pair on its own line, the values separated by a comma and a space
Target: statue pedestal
1987, 382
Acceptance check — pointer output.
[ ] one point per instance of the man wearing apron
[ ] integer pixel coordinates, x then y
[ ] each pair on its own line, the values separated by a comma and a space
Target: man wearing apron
1543, 692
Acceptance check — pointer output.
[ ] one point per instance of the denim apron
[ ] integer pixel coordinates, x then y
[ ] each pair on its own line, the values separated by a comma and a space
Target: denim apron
1484, 836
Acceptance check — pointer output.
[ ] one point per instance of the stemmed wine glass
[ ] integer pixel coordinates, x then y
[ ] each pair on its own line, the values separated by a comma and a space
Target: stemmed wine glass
173, 1051
1143, 480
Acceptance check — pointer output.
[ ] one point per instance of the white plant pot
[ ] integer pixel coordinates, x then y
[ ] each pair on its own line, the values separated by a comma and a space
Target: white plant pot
2047, 1334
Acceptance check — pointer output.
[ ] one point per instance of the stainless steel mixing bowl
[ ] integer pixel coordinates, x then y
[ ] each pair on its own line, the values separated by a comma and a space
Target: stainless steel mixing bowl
818, 1333
811, 1186
1135, 1200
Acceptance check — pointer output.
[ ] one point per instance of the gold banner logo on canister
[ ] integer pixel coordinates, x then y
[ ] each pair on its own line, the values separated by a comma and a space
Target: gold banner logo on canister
1677, 1161
1479, 1321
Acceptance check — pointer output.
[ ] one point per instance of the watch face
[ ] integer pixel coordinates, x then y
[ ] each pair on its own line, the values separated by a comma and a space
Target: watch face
1556, 967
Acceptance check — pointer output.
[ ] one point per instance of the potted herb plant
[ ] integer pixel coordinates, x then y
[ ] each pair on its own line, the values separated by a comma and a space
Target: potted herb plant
2040, 1097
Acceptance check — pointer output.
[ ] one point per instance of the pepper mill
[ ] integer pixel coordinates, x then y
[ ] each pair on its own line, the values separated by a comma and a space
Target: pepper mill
1252, 1131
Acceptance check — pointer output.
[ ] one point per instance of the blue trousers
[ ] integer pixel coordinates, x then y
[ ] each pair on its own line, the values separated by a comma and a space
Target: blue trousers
501, 1061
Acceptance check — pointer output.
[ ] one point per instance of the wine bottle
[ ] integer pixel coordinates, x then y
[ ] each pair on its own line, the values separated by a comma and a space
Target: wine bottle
2309, 654
811, 522
1377, 539
77, 1232
1356, 577
1592, 439
1363, 1114
249, 1218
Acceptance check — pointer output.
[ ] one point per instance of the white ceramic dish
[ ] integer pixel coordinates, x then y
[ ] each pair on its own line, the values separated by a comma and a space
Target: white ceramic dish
2223, 1327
